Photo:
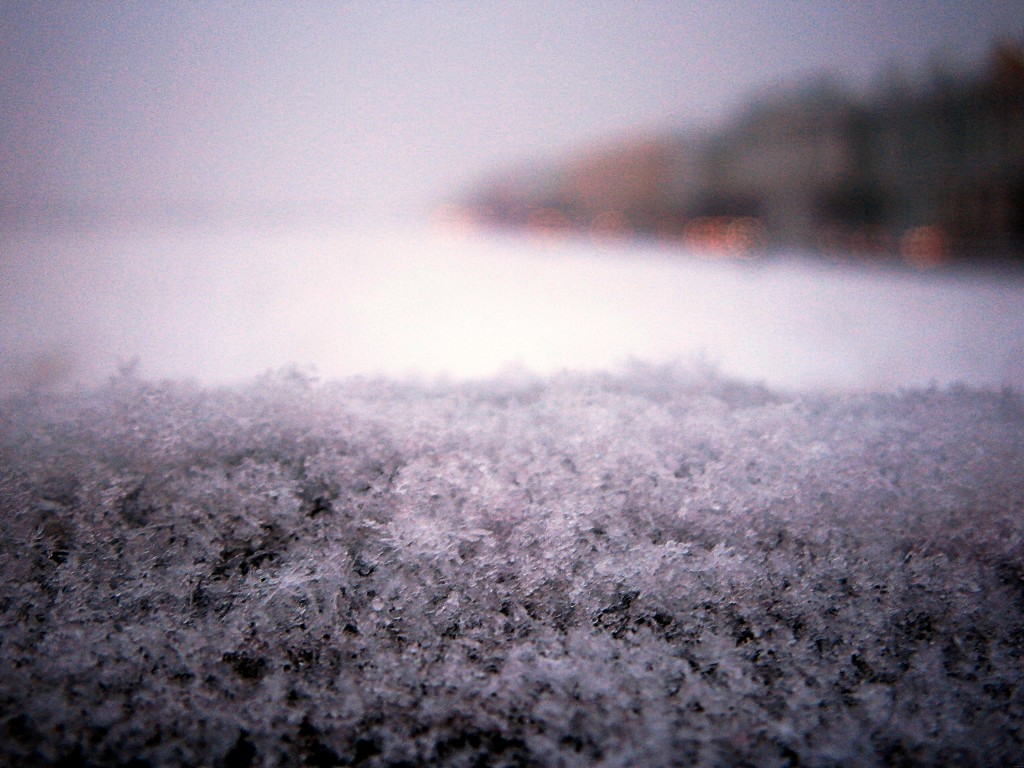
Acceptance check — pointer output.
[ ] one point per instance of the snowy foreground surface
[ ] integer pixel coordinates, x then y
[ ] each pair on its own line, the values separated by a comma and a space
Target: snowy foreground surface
646, 569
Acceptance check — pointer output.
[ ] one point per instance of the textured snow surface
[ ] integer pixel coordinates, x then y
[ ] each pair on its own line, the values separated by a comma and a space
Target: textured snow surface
648, 569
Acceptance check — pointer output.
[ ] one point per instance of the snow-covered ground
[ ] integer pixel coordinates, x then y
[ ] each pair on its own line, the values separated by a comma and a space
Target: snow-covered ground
652, 566
224, 304
655, 569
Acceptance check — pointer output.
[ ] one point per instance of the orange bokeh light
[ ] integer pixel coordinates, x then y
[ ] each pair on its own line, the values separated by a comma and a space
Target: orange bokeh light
924, 247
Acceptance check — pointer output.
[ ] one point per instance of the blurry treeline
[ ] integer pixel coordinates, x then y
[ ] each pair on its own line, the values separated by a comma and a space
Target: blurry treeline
924, 171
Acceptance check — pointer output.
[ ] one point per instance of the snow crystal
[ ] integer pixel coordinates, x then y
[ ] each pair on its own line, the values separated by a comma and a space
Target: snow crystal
652, 568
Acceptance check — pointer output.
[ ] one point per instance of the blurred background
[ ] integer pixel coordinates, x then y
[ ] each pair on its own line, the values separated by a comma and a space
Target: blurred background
813, 195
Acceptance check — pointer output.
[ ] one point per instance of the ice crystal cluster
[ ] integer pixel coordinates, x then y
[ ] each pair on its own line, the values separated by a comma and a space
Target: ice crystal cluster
651, 568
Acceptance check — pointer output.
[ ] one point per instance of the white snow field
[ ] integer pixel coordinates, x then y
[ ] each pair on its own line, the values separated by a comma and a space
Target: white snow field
223, 304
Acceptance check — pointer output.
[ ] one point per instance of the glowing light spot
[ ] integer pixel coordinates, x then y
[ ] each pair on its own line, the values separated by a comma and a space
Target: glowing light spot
610, 224
924, 247
725, 236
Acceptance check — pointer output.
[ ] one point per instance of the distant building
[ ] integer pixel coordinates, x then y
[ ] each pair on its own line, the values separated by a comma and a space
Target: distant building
923, 173
784, 163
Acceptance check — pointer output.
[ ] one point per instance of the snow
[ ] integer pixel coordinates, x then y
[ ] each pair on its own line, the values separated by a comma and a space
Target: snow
653, 567
222, 305
540, 503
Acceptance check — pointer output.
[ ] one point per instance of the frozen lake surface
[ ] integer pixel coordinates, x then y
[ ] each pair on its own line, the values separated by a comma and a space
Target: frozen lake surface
224, 304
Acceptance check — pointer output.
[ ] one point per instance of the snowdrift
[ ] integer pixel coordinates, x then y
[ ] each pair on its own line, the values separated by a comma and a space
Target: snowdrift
649, 568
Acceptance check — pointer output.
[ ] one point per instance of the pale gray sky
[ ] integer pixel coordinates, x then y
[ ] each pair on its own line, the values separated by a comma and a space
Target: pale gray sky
385, 107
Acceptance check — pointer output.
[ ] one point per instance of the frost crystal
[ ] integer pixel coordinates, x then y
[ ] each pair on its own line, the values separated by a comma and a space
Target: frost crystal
651, 568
